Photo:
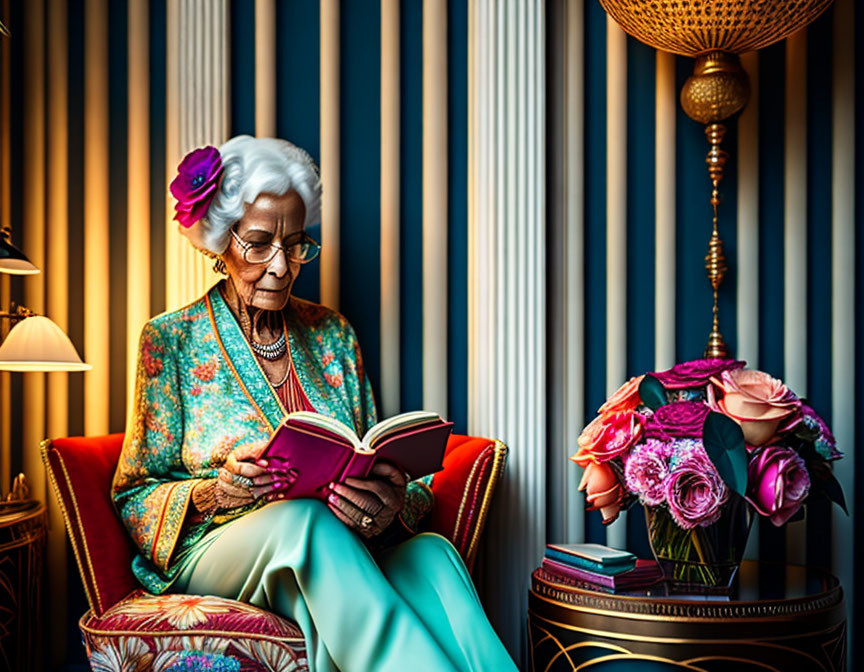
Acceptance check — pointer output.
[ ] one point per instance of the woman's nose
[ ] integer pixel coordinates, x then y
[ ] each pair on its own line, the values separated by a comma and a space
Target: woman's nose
278, 265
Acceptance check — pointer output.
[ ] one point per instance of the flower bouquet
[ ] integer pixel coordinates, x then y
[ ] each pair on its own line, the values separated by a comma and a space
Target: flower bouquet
702, 446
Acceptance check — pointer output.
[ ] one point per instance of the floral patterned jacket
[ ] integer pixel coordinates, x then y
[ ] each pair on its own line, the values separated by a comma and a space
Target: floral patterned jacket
199, 392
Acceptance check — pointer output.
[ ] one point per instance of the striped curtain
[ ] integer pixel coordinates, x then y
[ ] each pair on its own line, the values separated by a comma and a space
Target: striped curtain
94, 114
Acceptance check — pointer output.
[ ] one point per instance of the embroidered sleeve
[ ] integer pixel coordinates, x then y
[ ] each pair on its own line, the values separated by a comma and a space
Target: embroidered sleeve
152, 488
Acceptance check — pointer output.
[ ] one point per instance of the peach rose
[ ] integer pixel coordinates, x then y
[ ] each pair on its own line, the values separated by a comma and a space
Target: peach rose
755, 400
608, 436
603, 491
625, 399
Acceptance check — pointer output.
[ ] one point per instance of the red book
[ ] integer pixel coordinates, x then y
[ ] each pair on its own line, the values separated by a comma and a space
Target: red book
323, 450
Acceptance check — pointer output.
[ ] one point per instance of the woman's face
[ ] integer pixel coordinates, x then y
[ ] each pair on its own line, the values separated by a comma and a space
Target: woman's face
268, 219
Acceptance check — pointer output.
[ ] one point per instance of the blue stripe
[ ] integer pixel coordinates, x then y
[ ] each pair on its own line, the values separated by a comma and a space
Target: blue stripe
242, 32
693, 295
819, 41
118, 74
641, 198
457, 175
595, 226
360, 227
772, 541
411, 204
157, 156
298, 101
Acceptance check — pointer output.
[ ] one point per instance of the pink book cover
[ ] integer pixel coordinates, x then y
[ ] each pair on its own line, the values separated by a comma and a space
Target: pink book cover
321, 457
646, 573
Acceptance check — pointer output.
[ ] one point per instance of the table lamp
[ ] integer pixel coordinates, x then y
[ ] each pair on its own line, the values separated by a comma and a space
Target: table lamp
34, 343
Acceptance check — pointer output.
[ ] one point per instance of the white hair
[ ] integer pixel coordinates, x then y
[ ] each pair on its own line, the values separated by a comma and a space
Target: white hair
255, 166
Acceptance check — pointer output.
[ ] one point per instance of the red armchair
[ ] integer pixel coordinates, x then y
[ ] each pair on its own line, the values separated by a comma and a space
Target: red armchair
128, 628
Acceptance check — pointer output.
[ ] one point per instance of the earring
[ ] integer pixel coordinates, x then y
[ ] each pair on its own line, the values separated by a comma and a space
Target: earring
219, 266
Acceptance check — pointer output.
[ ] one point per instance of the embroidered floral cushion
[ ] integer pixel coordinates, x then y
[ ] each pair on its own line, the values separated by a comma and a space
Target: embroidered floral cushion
463, 490
174, 632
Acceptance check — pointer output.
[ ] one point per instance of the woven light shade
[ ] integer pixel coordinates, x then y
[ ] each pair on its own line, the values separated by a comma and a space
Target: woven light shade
696, 27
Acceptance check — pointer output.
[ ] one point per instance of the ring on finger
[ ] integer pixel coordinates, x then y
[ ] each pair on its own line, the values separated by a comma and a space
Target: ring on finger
366, 522
241, 481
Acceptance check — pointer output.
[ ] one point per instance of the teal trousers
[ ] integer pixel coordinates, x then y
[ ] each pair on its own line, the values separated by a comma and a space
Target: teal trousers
414, 607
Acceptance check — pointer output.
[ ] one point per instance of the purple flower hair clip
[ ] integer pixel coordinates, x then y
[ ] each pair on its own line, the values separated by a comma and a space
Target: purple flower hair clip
198, 177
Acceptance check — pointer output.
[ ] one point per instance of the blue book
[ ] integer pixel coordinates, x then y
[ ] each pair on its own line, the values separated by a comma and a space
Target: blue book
593, 557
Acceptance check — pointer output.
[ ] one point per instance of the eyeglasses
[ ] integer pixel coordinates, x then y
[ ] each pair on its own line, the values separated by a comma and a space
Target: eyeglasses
303, 250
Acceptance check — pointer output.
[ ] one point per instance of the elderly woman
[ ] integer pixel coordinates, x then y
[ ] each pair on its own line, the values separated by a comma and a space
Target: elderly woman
214, 378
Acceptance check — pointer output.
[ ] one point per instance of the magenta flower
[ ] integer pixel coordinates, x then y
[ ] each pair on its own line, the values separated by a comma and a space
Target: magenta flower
695, 373
682, 419
778, 482
646, 469
198, 177
694, 490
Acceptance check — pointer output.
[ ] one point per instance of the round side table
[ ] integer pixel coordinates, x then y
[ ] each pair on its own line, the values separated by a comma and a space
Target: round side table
778, 618
23, 528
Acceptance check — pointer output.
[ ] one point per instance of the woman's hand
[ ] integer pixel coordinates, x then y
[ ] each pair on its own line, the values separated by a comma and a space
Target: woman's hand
369, 505
244, 477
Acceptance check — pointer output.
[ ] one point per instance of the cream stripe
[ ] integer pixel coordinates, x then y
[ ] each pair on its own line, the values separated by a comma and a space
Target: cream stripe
747, 266
96, 247
33, 231
616, 227
390, 207
172, 133
265, 68
330, 158
5, 221
573, 296
196, 116
138, 200
843, 351
795, 246
435, 271
57, 299
664, 213
795, 216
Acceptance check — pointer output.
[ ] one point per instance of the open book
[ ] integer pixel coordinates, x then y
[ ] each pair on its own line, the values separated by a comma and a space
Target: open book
323, 450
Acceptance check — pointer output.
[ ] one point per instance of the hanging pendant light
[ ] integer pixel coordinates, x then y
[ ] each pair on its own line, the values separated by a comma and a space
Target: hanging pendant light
714, 33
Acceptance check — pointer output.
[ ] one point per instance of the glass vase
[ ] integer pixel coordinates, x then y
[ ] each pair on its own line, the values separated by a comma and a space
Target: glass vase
701, 559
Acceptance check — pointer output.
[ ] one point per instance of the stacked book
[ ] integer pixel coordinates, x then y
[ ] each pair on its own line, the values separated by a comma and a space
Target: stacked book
599, 567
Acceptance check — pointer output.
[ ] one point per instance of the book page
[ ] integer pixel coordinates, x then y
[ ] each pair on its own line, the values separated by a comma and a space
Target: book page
397, 423
327, 423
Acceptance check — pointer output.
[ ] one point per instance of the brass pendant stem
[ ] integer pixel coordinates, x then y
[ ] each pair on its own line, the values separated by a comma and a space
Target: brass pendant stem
715, 260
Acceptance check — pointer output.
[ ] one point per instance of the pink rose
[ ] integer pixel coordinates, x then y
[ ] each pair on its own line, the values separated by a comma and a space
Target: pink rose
694, 490
607, 436
679, 420
626, 398
603, 490
777, 482
695, 373
755, 400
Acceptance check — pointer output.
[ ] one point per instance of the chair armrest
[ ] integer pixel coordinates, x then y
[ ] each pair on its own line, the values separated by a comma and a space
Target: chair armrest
464, 489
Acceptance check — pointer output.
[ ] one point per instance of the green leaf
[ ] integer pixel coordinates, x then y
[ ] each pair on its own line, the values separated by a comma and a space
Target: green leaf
724, 443
652, 393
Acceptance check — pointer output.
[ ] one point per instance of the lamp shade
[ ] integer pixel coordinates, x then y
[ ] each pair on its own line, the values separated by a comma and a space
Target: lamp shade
695, 27
13, 260
37, 344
